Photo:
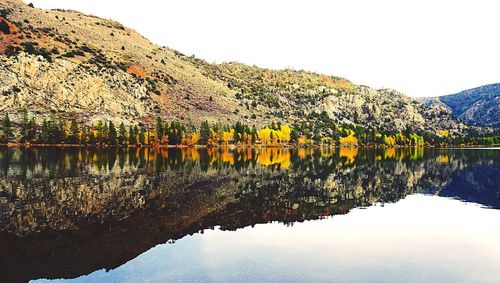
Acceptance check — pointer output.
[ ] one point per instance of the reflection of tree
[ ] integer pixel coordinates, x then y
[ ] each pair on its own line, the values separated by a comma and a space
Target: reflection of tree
139, 197
349, 153
6, 157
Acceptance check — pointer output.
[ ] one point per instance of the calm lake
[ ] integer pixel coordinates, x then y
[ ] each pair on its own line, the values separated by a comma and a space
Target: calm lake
251, 215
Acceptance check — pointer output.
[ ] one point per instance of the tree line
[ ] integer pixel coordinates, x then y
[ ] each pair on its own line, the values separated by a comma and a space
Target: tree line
57, 130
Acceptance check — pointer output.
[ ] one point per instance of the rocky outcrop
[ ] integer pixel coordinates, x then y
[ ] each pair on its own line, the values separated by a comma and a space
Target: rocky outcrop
65, 63
62, 86
477, 106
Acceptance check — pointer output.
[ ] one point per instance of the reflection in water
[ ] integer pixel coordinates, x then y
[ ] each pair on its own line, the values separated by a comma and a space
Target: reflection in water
63, 209
60, 162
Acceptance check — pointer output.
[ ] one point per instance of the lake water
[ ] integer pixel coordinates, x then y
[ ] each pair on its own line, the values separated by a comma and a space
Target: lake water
252, 215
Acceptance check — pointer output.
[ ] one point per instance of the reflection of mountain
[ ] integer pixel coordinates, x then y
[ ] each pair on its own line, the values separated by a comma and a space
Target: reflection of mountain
77, 212
479, 184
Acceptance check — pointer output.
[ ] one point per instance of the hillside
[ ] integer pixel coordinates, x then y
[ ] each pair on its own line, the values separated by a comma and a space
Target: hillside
65, 63
477, 106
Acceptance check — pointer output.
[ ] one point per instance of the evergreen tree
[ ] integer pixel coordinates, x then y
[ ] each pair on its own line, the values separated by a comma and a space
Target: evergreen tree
131, 136
45, 135
102, 132
238, 132
254, 134
8, 135
112, 133
294, 136
60, 130
25, 131
85, 134
142, 136
74, 132
159, 129
176, 132
136, 134
204, 132
32, 129
28, 128
92, 137
122, 134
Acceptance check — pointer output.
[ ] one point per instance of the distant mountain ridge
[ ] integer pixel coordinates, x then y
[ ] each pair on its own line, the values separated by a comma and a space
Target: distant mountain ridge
476, 106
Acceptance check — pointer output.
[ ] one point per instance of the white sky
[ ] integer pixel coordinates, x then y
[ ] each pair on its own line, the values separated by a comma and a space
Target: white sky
423, 48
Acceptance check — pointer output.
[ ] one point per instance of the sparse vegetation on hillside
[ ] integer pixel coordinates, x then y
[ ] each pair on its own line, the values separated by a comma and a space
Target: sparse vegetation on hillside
478, 106
79, 67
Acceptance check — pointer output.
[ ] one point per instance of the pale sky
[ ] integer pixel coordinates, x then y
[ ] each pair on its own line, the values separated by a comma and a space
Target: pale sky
422, 48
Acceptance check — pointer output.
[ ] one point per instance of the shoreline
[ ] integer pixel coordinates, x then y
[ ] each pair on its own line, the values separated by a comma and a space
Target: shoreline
23, 145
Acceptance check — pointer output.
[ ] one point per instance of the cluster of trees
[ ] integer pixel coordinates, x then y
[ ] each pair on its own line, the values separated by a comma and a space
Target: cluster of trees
491, 140
277, 134
353, 135
57, 130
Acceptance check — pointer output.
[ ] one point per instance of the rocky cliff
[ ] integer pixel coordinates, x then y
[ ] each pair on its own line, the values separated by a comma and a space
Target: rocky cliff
65, 63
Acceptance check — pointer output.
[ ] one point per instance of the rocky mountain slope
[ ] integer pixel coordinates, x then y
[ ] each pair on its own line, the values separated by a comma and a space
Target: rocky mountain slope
477, 106
65, 63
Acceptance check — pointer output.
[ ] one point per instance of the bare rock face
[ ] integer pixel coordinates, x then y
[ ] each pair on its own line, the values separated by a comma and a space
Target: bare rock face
64, 63
477, 106
63, 86
384, 109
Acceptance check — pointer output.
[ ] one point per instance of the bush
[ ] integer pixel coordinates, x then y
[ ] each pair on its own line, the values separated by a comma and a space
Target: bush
12, 50
29, 47
4, 27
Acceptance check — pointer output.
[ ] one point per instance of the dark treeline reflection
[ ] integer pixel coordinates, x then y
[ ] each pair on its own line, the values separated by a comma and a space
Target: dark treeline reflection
61, 209
61, 162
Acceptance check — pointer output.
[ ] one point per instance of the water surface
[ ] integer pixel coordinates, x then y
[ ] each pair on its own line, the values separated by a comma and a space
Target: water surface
348, 215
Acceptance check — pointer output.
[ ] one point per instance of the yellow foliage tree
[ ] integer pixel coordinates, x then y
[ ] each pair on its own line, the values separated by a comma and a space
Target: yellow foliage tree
285, 132
350, 140
389, 141
302, 140
265, 135
228, 136
443, 133
190, 139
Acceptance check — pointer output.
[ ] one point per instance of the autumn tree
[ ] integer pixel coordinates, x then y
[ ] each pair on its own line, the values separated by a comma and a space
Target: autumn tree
389, 141
349, 141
